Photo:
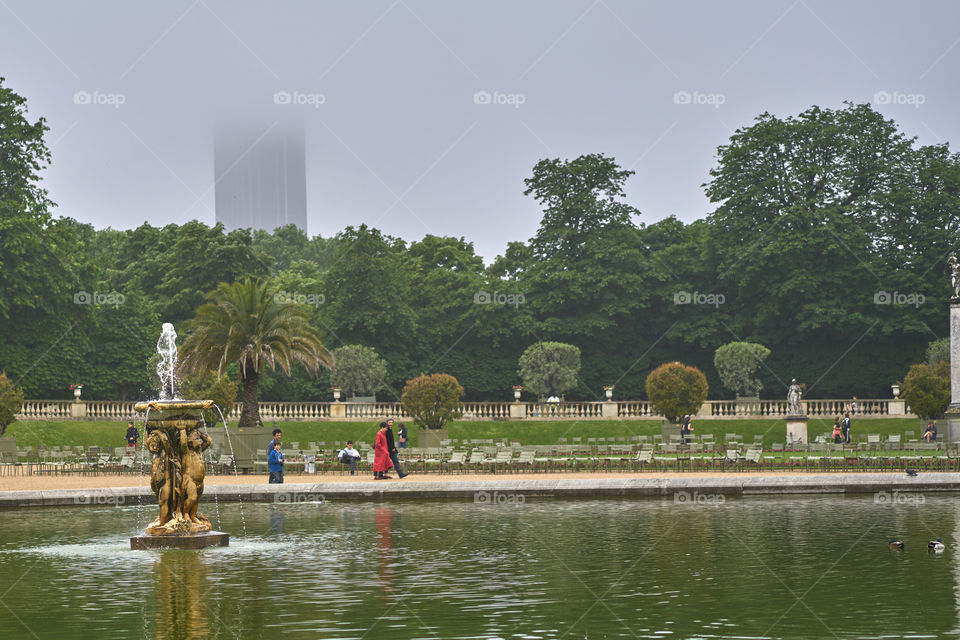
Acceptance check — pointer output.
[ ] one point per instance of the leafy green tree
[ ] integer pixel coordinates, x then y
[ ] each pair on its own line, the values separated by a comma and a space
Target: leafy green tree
42, 263
580, 197
123, 333
368, 298
453, 304
433, 400
676, 390
588, 275
243, 323
549, 367
288, 245
926, 390
357, 369
938, 351
11, 400
817, 220
200, 258
736, 362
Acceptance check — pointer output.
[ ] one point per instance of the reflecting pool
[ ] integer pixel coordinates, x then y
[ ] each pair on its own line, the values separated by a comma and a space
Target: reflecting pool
500, 568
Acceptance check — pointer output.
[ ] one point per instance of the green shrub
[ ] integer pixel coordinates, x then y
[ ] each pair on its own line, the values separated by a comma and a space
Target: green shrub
926, 390
676, 390
736, 363
549, 367
432, 400
357, 369
11, 399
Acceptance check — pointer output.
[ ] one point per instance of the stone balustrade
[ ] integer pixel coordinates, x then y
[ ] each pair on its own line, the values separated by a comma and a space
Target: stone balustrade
271, 411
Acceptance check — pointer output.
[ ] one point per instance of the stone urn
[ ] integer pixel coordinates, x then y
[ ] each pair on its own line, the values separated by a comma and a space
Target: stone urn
609, 393
896, 390
336, 395
76, 393
516, 394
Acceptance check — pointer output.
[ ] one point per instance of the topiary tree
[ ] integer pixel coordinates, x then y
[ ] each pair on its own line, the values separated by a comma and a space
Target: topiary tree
357, 369
207, 386
926, 389
676, 390
938, 351
432, 400
11, 400
549, 367
736, 362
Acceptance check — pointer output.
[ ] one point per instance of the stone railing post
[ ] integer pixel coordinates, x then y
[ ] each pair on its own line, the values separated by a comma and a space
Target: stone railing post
705, 410
78, 409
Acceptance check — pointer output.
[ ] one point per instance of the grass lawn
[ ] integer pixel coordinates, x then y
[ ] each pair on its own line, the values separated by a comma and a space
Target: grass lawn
111, 434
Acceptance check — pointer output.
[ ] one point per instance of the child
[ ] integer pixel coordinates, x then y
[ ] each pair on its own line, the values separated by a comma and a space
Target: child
275, 464
837, 435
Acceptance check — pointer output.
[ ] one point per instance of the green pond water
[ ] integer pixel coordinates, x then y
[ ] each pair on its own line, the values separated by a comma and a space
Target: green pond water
798, 567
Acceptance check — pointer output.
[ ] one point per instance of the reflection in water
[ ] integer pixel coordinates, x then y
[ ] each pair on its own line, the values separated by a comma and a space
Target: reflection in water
277, 519
384, 519
182, 612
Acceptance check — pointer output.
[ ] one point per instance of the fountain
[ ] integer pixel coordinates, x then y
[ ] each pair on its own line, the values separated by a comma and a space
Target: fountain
176, 443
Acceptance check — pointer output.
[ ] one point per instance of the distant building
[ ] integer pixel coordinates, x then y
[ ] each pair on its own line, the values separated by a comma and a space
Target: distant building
261, 177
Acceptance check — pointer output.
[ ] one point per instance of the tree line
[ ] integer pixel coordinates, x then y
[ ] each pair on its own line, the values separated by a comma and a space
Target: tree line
827, 246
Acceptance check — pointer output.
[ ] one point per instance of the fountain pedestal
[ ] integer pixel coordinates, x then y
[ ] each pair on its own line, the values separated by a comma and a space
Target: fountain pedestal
183, 541
953, 411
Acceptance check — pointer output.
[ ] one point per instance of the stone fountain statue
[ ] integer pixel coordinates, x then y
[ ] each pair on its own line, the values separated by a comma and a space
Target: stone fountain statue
794, 394
176, 442
795, 418
954, 265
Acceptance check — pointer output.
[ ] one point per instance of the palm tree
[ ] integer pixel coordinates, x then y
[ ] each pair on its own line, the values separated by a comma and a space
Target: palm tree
243, 322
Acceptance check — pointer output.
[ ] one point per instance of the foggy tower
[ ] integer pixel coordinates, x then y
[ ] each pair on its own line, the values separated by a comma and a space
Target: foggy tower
261, 177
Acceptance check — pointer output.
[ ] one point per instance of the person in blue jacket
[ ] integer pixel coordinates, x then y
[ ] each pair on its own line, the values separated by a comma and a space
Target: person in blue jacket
275, 464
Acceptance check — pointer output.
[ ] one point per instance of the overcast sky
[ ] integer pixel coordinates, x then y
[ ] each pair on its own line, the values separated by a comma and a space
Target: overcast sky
426, 116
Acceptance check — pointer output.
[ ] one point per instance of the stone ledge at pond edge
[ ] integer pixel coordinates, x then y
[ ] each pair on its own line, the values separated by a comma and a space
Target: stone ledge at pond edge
529, 488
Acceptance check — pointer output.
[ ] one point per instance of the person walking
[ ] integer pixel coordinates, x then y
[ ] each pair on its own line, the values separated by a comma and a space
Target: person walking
686, 428
381, 455
845, 428
132, 435
402, 436
392, 450
275, 464
349, 455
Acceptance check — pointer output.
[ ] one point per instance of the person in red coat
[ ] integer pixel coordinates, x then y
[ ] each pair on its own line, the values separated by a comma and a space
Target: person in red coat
381, 457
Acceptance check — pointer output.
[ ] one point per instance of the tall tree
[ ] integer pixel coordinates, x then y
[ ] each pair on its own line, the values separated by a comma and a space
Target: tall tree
243, 323
368, 292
